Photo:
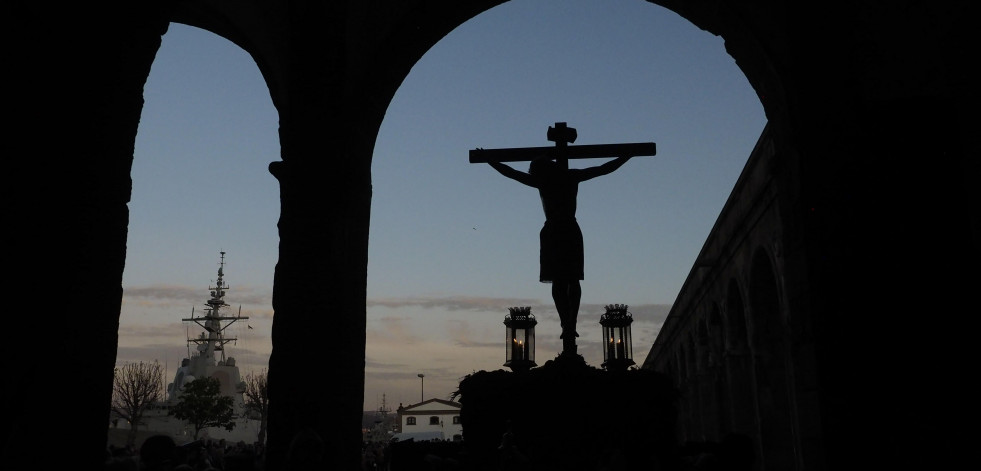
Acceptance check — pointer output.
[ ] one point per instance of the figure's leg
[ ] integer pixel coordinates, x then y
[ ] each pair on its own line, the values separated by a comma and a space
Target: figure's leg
566, 295
574, 295
561, 303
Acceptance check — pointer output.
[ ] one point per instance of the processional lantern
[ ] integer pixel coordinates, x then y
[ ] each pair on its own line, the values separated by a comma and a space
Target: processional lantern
617, 348
520, 339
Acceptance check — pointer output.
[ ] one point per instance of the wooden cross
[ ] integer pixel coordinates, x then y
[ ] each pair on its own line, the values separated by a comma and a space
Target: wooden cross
562, 135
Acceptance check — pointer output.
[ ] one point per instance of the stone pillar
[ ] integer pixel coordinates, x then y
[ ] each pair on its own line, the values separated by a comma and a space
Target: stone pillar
684, 398
739, 377
316, 369
707, 417
74, 102
775, 405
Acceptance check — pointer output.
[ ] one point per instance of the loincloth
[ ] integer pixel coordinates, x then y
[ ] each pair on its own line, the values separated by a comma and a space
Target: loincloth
561, 254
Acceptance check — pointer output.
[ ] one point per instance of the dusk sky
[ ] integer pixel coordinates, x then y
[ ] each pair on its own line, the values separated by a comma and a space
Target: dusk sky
452, 244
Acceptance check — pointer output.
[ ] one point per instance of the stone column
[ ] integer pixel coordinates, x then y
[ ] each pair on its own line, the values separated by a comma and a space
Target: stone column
74, 103
739, 376
316, 369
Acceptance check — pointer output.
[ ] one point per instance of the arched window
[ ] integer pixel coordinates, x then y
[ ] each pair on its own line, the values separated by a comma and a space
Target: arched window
434, 420
410, 421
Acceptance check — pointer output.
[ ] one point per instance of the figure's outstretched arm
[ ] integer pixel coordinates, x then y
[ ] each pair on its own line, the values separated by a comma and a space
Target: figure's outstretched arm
513, 174
609, 167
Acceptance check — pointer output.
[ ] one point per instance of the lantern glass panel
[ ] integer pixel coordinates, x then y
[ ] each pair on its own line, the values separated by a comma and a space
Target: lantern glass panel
621, 343
530, 345
519, 344
629, 343
608, 353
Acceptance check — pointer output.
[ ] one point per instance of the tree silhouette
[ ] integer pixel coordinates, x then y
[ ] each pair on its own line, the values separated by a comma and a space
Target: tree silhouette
202, 405
135, 387
257, 400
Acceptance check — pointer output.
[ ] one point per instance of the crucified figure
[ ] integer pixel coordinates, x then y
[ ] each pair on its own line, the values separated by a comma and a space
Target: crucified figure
561, 255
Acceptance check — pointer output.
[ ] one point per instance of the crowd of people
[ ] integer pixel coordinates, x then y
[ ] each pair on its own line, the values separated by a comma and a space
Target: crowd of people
161, 453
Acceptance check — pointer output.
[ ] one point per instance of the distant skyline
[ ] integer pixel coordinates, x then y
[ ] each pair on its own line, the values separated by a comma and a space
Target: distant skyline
452, 244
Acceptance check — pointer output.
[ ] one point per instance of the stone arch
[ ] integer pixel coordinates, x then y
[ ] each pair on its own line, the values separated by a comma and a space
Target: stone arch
684, 397
770, 343
363, 108
717, 334
682, 361
734, 323
699, 385
738, 366
86, 170
720, 413
671, 366
419, 30
702, 343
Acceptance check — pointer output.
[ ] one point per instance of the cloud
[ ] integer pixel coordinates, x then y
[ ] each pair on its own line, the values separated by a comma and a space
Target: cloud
164, 353
391, 331
156, 331
266, 314
175, 295
400, 335
642, 313
370, 363
165, 292
178, 297
462, 334
455, 303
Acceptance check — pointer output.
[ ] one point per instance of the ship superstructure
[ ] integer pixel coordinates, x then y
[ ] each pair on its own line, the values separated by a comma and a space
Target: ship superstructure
207, 357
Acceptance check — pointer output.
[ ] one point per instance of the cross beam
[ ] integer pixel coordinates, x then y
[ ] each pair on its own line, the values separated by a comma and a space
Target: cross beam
590, 151
562, 135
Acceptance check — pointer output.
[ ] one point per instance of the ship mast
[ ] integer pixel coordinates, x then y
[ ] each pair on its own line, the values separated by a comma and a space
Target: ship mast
384, 409
213, 340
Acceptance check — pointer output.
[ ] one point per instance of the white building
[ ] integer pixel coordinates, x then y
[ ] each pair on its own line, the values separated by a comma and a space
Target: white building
433, 419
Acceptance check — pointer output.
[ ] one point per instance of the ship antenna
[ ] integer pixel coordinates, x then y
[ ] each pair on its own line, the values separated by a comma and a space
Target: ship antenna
213, 321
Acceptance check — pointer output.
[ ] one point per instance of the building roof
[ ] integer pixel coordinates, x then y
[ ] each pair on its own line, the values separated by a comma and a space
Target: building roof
431, 405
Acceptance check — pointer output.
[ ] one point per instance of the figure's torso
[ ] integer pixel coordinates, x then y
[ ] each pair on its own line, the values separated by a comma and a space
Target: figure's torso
558, 195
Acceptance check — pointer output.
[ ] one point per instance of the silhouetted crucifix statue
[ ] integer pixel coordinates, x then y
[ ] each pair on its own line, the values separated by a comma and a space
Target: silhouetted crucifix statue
561, 254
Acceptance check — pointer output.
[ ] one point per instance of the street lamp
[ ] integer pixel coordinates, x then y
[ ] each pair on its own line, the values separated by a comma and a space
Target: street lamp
519, 340
617, 354
422, 387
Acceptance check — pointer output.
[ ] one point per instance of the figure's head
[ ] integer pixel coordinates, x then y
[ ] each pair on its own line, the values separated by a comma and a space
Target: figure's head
542, 167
